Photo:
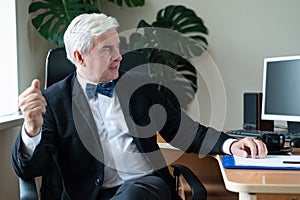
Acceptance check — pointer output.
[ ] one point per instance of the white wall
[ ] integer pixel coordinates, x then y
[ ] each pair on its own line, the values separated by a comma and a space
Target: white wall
9, 182
32, 50
241, 34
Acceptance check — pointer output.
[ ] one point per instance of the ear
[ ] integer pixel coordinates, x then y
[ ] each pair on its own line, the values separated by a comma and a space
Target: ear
79, 58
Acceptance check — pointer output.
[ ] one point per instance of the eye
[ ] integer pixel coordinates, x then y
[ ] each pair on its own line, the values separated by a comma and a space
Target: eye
106, 50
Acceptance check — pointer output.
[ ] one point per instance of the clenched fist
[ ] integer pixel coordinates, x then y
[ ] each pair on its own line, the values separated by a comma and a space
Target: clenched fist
33, 106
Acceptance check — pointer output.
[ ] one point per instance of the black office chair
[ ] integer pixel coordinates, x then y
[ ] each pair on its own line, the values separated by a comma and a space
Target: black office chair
57, 68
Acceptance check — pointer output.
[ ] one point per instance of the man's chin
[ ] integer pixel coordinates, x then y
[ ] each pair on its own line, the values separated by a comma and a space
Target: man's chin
115, 76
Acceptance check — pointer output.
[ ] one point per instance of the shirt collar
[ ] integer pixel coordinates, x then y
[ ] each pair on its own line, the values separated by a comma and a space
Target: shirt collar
82, 81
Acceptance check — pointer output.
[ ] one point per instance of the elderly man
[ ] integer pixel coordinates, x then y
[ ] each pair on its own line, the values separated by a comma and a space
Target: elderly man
99, 147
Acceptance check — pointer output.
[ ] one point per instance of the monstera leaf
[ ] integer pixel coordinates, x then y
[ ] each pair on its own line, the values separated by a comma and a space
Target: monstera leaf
181, 19
129, 3
52, 17
177, 35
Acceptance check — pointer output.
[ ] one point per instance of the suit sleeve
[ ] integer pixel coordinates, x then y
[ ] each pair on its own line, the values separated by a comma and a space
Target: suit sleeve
186, 134
28, 168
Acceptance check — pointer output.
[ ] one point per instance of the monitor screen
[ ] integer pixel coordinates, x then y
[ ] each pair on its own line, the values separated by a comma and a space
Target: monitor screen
281, 89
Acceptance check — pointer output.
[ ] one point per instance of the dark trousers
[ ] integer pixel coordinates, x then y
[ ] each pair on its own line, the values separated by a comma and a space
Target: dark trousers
145, 188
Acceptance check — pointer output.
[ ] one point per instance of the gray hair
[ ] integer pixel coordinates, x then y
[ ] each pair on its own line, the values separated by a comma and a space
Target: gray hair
82, 31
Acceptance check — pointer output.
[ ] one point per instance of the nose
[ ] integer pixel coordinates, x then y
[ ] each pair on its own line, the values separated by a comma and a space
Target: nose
117, 55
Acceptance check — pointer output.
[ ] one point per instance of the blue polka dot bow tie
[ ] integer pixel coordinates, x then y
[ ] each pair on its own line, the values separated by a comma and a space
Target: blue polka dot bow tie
106, 89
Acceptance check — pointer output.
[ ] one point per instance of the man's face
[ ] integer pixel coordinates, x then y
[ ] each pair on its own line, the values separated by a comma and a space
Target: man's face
102, 63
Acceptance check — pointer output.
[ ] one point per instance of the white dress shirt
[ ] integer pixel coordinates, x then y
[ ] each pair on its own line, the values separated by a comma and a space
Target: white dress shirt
122, 159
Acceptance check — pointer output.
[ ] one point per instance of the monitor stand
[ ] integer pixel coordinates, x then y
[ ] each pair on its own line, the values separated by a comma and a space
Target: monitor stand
293, 127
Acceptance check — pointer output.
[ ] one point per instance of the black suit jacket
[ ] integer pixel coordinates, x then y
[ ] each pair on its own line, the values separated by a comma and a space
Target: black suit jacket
69, 125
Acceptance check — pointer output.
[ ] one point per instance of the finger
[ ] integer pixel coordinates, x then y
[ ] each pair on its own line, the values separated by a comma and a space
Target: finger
32, 94
253, 148
25, 93
241, 153
28, 107
239, 149
34, 88
34, 113
251, 145
261, 149
35, 97
35, 84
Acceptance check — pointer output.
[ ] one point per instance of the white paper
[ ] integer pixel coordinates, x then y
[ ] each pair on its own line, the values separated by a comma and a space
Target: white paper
268, 161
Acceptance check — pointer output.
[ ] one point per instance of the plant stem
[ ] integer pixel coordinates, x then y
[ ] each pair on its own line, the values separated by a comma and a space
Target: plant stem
66, 10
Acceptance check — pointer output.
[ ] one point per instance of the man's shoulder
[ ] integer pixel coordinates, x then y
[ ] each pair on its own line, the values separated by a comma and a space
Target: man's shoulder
60, 88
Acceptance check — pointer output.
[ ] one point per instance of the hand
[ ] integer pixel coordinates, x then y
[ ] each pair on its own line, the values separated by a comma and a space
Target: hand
249, 147
33, 106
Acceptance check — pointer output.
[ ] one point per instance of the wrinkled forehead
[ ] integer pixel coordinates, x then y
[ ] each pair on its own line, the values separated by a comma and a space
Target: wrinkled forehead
109, 37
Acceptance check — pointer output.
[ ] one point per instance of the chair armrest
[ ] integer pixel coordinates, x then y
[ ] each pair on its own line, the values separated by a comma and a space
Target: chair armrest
198, 189
28, 189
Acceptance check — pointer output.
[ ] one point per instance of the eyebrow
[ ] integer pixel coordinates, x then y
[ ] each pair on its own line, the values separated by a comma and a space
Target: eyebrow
109, 46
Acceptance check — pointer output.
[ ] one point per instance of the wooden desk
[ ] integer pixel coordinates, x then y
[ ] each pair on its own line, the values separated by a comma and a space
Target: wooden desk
255, 184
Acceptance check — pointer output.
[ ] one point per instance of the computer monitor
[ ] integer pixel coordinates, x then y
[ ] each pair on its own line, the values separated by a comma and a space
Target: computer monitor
281, 90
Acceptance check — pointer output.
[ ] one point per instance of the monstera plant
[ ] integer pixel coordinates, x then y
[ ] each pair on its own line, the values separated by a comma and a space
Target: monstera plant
177, 35
52, 17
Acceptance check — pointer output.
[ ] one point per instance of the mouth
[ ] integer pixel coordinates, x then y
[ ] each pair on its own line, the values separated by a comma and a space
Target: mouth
114, 66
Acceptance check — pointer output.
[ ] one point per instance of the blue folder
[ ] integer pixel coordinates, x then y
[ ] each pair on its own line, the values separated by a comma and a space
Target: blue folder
229, 162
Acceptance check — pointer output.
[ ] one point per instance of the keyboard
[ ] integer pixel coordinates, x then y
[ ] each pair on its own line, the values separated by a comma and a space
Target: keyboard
258, 133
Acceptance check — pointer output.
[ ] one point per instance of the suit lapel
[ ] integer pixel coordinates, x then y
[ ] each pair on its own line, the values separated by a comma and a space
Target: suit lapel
85, 123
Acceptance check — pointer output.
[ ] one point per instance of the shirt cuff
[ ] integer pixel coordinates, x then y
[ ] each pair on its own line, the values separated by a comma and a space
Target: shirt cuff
29, 143
227, 144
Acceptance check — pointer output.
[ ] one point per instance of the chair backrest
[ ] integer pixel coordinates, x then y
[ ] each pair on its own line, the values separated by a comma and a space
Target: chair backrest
57, 68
